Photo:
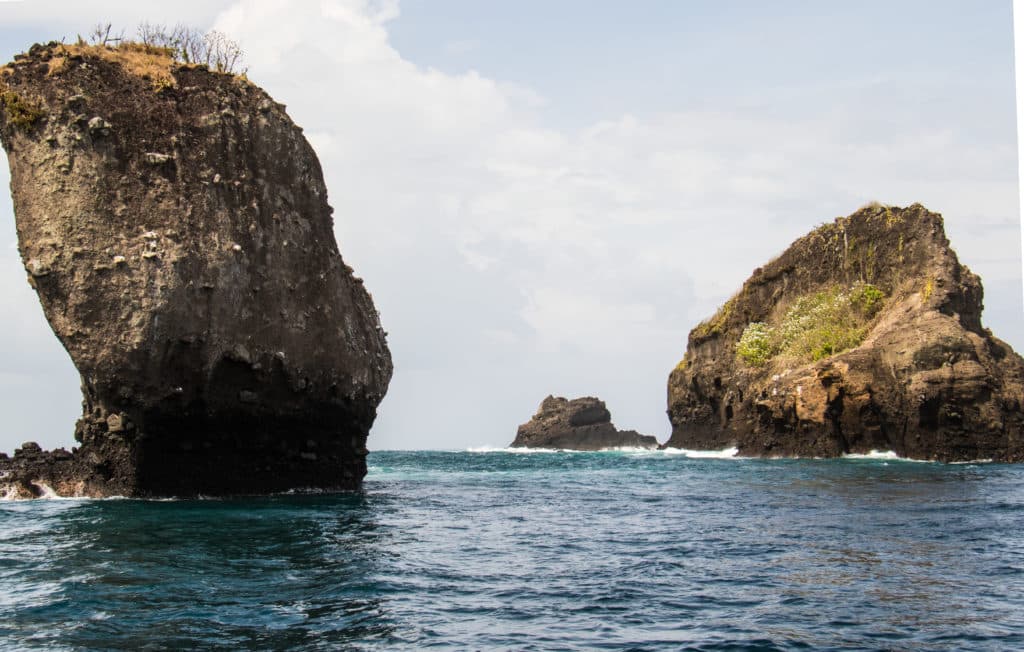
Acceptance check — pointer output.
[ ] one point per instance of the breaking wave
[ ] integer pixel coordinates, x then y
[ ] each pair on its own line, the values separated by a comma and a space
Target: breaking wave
728, 453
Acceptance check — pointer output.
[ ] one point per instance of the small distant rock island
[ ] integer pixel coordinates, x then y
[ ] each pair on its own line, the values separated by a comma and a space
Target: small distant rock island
582, 424
174, 222
863, 335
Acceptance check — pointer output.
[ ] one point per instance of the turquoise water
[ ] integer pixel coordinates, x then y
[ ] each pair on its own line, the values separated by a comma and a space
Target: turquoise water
539, 551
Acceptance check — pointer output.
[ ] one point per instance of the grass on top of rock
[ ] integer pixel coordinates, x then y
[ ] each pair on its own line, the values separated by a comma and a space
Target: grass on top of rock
212, 49
154, 52
716, 324
150, 63
815, 326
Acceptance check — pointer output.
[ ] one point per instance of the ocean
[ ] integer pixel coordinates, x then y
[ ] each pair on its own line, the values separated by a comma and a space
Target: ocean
493, 549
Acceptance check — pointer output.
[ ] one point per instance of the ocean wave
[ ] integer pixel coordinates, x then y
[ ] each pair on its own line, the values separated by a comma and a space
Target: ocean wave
892, 456
873, 455
523, 450
612, 534
46, 492
724, 454
12, 495
625, 449
728, 453
495, 449
888, 456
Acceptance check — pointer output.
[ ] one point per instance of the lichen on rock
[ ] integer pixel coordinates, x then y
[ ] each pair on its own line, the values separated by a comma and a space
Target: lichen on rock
863, 335
179, 238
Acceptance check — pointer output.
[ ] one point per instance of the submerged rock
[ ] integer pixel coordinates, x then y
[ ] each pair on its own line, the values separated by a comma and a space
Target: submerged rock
580, 424
176, 228
864, 335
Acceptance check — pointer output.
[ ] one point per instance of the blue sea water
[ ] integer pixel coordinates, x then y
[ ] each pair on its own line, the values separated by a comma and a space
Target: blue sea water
537, 551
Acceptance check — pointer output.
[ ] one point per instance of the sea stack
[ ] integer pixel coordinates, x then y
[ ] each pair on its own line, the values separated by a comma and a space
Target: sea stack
582, 424
863, 335
174, 223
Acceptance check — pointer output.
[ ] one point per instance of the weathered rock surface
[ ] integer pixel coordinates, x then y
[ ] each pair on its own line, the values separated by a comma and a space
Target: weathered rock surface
35, 473
179, 238
582, 424
927, 381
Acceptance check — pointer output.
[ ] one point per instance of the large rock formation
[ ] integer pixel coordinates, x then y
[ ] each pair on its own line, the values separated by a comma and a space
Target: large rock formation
864, 334
174, 222
582, 424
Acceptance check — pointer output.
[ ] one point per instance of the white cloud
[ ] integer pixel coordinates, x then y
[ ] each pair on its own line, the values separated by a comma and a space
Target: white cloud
583, 319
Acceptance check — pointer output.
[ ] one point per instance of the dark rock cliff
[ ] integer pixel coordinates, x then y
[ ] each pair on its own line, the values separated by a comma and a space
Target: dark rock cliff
864, 334
174, 222
583, 424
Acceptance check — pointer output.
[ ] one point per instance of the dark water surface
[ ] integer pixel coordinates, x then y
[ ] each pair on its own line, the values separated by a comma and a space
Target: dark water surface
541, 551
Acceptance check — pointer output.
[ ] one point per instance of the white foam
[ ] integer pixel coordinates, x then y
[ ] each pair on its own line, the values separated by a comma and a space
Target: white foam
724, 454
614, 449
12, 493
872, 455
46, 490
888, 456
294, 491
492, 449
634, 450
728, 453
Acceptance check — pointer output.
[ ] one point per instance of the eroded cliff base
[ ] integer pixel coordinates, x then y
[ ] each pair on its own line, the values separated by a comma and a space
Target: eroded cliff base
252, 459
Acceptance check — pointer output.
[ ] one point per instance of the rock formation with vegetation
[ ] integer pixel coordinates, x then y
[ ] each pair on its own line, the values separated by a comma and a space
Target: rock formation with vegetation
583, 424
864, 335
174, 223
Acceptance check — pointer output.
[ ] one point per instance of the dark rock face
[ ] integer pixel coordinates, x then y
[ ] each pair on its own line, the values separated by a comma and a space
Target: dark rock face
580, 424
927, 381
181, 244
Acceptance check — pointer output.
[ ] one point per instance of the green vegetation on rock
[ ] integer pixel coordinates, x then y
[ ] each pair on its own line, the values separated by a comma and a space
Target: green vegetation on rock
755, 346
716, 324
867, 299
814, 327
19, 112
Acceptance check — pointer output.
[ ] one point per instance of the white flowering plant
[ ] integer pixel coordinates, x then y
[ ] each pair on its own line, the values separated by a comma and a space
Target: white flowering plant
814, 327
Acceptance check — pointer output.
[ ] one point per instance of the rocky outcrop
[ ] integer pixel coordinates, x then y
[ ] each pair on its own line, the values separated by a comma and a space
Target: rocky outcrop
582, 424
174, 222
864, 335
35, 473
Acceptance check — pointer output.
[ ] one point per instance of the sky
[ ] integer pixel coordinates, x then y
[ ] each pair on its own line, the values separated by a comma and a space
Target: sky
545, 197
